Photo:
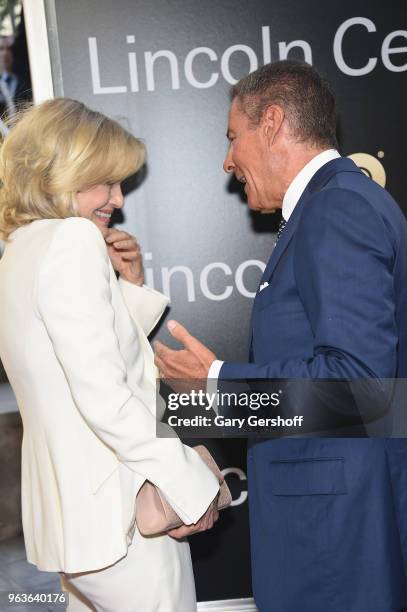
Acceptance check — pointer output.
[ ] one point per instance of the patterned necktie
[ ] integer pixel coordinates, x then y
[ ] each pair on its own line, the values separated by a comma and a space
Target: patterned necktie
280, 230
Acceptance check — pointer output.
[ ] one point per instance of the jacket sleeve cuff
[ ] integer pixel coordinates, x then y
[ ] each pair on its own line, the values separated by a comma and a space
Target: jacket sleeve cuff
199, 488
145, 305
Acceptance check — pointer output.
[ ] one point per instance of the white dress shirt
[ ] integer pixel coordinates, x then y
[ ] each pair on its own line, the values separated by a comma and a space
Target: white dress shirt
290, 200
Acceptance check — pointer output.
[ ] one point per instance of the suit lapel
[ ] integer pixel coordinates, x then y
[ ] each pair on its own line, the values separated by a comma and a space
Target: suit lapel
318, 181
285, 237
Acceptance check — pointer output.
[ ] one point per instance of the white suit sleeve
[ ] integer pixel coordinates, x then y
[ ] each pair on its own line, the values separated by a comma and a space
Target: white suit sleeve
74, 301
145, 305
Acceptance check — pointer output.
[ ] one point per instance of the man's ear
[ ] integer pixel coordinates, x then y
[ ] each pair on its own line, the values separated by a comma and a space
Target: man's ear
272, 120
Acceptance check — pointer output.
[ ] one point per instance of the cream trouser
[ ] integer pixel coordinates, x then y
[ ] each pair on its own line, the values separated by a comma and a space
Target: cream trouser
155, 576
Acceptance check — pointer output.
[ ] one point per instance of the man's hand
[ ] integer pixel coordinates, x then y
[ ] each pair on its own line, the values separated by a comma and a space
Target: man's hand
192, 362
125, 255
206, 521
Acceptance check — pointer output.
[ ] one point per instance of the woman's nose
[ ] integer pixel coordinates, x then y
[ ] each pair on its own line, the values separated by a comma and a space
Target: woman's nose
117, 198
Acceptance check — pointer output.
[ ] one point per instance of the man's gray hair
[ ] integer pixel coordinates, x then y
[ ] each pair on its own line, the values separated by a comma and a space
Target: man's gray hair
300, 90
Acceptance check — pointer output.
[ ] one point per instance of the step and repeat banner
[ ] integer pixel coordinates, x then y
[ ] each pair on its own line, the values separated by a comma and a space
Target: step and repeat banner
163, 70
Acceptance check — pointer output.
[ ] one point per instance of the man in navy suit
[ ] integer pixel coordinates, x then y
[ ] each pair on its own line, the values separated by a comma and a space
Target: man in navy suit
328, 516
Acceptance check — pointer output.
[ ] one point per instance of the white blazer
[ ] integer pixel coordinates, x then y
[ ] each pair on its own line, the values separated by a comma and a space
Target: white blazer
73, 343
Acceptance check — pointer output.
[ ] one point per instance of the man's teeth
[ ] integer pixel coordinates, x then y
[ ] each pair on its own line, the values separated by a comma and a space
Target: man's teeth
103, 215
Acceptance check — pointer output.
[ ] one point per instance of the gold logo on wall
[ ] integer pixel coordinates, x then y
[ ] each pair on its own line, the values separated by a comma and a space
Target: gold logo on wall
370, 166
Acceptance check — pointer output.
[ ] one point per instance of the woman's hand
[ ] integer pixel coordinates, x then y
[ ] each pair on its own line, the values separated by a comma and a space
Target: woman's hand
206, 521
125, 255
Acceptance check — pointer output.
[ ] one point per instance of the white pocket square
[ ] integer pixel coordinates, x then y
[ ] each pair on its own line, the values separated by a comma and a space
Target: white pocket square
263, 286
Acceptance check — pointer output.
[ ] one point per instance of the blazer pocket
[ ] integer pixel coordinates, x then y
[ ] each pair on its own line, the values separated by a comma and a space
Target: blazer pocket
320, 476
263, 298
267, 300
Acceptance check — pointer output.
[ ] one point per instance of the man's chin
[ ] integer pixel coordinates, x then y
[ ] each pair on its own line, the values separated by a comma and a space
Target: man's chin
268, 211
254, 206
260, 208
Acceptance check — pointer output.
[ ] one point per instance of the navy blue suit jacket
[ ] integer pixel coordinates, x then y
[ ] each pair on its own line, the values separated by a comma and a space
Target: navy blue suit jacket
329, 515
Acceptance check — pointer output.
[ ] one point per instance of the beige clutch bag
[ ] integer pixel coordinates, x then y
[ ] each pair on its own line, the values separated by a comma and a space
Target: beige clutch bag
154, 514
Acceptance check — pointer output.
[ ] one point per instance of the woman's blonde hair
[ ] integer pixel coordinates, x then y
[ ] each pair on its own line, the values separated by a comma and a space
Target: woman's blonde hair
53, 151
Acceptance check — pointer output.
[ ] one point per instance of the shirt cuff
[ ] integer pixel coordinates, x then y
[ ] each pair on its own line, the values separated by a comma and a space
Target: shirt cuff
212, 381
214, 370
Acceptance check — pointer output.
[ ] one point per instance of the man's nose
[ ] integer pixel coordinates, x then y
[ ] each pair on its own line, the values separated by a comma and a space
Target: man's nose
117, 198
228, 165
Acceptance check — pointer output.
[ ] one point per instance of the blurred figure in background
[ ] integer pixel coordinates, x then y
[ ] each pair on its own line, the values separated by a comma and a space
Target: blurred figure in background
15, 86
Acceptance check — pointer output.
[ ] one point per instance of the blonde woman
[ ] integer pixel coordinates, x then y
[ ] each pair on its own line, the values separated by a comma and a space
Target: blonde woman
73, 343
